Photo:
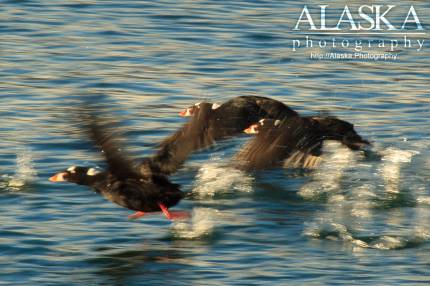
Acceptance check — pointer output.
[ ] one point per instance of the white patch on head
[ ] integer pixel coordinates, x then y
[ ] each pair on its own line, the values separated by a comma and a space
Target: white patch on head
72, 169
277, 122
215, 105
92, 172
198, 104
261, 121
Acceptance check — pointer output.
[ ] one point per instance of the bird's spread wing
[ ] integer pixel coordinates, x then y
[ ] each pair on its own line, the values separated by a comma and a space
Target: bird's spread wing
119, 163
175, 149
299, 159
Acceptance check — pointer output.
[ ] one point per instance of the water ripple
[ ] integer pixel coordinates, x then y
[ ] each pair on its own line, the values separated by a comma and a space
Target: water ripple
360, 220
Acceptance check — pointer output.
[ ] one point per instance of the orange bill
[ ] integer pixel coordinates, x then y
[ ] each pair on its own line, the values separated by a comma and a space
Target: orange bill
186, 112
58, 177
251, 129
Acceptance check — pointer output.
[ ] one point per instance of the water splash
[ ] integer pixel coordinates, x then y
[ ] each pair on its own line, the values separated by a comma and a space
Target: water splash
393, 159
326, 180
339, 232
388, 242
362, 199
25, 171
425, 200
213, 178
200, 224
350, 213
330, 230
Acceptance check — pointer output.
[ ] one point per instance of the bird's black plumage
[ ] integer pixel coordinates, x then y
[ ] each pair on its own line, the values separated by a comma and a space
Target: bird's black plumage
122, 183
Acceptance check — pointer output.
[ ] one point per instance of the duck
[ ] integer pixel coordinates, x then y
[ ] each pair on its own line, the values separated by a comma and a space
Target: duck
251, 108
211, 122
122, 183
294, 142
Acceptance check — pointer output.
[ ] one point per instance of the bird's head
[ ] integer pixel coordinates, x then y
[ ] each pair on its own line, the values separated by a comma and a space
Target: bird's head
75, 174
262, 124
190, 111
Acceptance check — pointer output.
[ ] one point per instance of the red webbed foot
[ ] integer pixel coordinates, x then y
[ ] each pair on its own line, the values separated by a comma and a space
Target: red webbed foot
136, 215
172, 215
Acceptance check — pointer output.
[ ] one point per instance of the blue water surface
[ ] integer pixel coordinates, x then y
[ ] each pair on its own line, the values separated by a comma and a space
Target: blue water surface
353, 221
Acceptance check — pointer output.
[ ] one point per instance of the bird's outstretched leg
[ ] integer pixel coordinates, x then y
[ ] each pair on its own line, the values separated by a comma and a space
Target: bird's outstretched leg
174, 214
136, 215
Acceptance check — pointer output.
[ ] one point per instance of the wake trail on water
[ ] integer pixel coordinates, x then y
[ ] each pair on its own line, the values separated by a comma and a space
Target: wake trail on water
360, 199
365, 211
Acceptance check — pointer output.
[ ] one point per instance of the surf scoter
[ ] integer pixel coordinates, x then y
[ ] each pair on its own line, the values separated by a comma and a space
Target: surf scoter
211, 122
295, 142
251, 108
122, 183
